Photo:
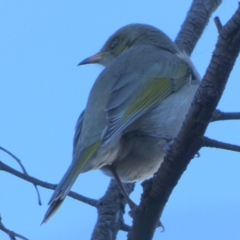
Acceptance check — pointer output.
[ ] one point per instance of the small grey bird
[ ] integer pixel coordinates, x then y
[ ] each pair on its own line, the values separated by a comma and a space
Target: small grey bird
140, 98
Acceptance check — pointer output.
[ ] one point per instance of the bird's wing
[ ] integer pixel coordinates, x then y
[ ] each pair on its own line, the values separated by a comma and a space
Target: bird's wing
78, 129
134, 93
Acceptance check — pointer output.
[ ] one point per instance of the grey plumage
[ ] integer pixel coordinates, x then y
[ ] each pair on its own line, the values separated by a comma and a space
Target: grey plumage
141, 96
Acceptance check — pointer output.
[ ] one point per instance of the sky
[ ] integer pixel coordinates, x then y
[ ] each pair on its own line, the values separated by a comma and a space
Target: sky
42, 93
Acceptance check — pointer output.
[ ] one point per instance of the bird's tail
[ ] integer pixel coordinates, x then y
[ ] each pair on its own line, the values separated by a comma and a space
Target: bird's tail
68, 180
61, 192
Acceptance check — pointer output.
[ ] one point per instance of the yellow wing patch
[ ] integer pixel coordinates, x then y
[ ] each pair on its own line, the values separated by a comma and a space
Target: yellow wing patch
155, 92
89, 152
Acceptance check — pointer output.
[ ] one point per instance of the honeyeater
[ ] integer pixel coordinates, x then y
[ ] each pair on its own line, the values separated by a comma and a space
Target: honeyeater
139, 100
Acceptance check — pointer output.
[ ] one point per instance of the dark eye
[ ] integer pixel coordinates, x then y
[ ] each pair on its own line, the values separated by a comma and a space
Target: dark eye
114, 43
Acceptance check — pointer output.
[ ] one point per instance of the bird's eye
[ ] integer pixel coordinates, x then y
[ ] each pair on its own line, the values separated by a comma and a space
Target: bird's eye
114, 43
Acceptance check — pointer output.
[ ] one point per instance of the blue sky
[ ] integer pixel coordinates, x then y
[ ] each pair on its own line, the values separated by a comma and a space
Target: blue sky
42, 92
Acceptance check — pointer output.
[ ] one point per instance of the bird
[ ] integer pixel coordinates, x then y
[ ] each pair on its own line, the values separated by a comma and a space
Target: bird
139, 100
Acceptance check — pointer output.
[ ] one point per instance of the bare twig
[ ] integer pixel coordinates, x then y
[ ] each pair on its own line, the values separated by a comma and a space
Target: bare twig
23, 169
125, 228
10, 233
208, 142
220, 116
41, 183
218, 23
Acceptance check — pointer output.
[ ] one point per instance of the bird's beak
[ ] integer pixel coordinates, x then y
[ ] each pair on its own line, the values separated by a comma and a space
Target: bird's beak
93, 59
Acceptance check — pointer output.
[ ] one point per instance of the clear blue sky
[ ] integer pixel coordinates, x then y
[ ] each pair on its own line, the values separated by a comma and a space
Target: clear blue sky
42, 92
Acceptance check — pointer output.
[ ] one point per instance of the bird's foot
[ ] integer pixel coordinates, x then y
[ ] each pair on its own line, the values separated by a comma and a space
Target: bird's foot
168, 145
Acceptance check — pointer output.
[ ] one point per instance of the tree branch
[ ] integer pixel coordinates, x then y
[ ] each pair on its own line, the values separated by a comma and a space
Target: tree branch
41, 183
23, 169
208, 142
196, 20
188, 141
220, 116
218, 23
125, 227
110, 212
10, 233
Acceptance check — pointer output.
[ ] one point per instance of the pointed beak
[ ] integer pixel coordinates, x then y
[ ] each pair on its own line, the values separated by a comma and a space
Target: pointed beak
93, 59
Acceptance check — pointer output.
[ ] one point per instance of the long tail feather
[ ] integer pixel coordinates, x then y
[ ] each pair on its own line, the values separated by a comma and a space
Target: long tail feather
51, 210
68, 180
61, 192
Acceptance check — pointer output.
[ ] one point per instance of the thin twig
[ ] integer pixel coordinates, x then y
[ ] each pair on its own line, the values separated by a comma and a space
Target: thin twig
208, 142
41, 183
10, 233
125, 228
220, 116
23, 169
218, 23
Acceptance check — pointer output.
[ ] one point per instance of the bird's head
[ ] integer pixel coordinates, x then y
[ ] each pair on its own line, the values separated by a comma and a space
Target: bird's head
131, 36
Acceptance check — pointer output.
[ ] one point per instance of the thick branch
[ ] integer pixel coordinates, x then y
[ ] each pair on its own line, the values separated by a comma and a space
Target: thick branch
110, 212
188, 141
196, 20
